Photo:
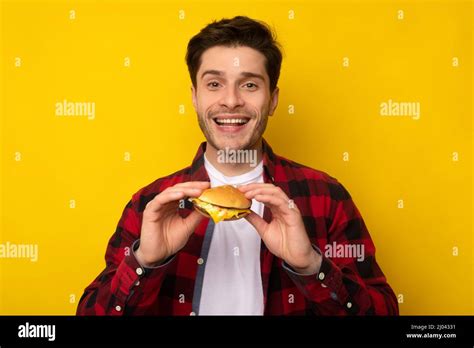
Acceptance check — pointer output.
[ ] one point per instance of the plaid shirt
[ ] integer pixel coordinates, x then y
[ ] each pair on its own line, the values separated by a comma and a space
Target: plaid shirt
343, 285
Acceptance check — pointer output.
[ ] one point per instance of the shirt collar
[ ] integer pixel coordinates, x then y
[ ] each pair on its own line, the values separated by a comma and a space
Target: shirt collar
198, 171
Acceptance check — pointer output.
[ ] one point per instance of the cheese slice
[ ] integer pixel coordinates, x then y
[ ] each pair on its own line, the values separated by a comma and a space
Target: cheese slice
217, 213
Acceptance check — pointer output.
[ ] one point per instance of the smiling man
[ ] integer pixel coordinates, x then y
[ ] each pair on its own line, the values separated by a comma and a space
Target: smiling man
167, 259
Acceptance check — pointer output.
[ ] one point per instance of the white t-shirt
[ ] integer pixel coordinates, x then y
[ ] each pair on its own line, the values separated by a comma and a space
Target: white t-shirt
232, 283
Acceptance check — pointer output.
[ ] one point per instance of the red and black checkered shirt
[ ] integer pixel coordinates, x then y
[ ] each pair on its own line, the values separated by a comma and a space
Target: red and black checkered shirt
343, 285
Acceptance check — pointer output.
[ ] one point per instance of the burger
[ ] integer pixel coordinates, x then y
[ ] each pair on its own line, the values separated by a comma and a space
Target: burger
222, 203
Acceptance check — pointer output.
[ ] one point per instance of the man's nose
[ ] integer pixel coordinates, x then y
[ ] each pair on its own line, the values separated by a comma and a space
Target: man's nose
231, 98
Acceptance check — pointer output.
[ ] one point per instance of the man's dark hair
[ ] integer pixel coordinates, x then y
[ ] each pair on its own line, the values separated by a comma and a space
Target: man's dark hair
234, 32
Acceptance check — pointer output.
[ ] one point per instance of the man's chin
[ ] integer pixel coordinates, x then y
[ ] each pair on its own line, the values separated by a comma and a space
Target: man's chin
222, 144
231, 147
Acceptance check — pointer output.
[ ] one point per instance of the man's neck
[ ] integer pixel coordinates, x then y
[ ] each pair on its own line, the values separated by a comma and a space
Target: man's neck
234, 162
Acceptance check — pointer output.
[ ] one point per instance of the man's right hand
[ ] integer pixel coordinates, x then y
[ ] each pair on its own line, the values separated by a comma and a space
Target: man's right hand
164, 232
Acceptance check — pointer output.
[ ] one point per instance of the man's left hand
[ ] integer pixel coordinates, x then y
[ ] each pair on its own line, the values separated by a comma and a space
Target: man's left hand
285, 236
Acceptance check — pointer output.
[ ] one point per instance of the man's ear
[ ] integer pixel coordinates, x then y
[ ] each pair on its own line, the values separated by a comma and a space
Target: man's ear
274, 101
194, 97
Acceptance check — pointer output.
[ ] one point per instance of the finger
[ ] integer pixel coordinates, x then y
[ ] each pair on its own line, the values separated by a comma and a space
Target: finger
162, 199
257, 222
273, 191
253, 186
188, 191
193, 184
172, 195
199, 186
273, 202
192, 221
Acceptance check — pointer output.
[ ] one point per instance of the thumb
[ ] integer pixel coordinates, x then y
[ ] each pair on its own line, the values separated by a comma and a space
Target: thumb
192, 221
257, 222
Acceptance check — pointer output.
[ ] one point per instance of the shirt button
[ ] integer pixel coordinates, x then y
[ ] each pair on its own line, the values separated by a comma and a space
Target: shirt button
192, 313
137, 283
324, 286
321, 276
118, 308
349, 305
139, 271
200, 261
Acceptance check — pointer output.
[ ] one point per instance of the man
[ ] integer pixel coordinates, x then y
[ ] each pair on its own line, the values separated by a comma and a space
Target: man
166, 259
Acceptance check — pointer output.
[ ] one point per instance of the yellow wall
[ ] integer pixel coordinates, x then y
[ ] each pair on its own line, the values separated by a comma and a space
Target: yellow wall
50, 54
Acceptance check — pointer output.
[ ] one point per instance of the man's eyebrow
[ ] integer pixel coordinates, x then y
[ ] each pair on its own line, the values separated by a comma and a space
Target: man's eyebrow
243, 73
212, 72
251, 74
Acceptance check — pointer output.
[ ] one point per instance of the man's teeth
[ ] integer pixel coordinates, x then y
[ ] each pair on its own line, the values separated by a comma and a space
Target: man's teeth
231, 121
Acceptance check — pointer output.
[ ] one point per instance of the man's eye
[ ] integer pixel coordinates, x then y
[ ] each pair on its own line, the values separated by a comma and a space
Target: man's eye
250, 85
213, 84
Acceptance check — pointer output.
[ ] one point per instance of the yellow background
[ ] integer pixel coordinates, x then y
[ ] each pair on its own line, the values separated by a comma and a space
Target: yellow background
336, 110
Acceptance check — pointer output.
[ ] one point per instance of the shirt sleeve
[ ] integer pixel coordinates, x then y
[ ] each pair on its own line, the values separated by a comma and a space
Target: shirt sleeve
347, 285
124, 286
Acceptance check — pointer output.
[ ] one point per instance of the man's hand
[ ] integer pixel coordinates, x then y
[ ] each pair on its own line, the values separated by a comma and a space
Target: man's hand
285, 236
163, 231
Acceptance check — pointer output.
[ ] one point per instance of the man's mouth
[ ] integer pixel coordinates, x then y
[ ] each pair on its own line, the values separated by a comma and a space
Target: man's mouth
235, 121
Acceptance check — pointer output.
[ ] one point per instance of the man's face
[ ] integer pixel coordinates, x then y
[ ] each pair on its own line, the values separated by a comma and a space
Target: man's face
232, 96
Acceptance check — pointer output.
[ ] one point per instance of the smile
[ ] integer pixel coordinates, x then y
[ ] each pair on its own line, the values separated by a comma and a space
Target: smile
231, 121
